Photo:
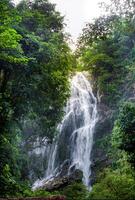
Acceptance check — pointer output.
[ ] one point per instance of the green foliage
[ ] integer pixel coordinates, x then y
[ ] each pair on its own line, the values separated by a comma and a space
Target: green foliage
104, 143
35, 63
9, 186
43, 193
114, 185
118, 181
75, 191
124, 130
9, 38
27, 192
106, 47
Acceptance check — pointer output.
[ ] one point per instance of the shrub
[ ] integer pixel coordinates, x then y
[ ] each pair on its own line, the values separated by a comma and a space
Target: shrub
114, 185
76, 191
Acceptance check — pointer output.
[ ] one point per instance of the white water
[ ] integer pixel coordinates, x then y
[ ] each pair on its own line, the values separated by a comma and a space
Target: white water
81, 115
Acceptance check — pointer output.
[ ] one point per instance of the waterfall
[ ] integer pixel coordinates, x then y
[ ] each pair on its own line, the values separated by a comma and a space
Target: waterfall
76, 131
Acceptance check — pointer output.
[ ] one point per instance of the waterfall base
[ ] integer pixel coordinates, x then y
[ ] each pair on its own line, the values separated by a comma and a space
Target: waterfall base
59, 182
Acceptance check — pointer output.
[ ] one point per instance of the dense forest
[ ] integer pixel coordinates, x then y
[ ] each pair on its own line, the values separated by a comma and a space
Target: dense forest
35, 65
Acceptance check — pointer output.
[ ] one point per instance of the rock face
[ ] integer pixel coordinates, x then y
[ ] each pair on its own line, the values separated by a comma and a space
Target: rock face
37, 149
103, 129
62, 181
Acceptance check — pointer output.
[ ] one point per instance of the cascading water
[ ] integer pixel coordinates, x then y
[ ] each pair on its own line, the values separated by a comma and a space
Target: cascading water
75, 132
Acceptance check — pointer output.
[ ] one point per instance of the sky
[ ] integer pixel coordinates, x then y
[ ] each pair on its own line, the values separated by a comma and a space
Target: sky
77, 13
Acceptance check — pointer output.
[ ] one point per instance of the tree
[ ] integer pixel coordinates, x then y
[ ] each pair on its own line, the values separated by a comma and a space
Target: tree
35, 63
124, 130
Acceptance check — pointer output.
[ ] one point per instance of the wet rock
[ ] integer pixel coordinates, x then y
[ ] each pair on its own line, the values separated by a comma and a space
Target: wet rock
61, 182
63, 170
103, 129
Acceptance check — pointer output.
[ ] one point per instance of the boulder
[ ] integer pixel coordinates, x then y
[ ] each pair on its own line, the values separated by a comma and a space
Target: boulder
61, 182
